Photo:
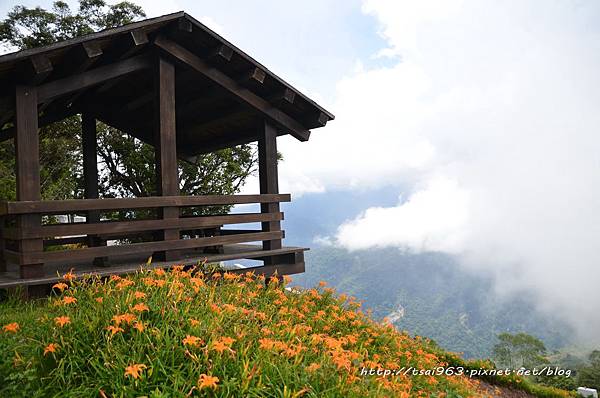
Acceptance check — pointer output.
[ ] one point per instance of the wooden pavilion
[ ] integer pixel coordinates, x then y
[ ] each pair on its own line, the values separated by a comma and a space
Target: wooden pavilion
203, 94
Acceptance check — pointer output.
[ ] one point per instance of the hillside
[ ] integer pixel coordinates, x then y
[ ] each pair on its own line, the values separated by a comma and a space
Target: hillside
429, 294
179, 333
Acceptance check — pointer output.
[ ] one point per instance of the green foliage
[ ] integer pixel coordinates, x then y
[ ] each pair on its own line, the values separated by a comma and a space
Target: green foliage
34, 27
513, 381
257, 340
128, 163
519, 350
440, 300
589, 374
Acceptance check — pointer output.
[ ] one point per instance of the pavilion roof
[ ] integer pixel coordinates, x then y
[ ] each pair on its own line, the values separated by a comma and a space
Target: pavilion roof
221, 91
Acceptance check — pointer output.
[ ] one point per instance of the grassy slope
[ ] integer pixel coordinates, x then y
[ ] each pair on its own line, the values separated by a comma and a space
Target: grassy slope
186, 331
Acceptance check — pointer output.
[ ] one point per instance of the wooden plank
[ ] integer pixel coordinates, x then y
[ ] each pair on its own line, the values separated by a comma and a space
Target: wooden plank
231, 252
28, 172
144, 247
92, 77
259, 104
121, 227
268, 179
77, 205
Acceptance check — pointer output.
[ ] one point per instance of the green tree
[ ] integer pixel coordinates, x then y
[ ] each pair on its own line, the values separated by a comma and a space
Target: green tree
127, 164
519, 350
589, 375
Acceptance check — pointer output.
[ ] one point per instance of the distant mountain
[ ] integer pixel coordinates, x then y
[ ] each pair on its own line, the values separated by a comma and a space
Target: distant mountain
427, 294
430, 295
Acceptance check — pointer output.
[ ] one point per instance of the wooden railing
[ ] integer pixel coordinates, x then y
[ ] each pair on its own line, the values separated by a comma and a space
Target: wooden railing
193, 231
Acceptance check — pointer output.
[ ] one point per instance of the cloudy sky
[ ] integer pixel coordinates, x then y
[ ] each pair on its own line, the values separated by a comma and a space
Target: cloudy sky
488, 111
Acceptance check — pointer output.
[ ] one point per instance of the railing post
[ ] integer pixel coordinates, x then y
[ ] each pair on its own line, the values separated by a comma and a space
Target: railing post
28, 174
267, 170
90, 177
165, 145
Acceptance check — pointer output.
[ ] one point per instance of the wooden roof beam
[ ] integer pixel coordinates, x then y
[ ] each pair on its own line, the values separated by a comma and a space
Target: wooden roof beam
285, 96
40, 68
276, 116
221, 53
136, 40
90, 78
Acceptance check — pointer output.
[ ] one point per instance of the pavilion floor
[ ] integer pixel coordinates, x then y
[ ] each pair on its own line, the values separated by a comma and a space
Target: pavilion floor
124, 265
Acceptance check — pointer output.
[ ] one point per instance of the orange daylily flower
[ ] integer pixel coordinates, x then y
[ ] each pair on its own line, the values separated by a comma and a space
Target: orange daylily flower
194, 322
11, 327
69, 276
127, 318
192, 340
99, 299
322, 283
124, 282
62, 320
229, 276
139, 295
114, 329
223, 344
60, 286
135, 370
139, 326
52, 347
140, 307
69, 300
206, 381
159, 271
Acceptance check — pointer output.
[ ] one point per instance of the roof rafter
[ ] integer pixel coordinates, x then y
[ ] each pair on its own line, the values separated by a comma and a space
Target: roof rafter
281, 120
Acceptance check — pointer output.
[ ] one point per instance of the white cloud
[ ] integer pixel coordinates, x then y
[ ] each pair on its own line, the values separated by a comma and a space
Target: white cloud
422, 223
491, 113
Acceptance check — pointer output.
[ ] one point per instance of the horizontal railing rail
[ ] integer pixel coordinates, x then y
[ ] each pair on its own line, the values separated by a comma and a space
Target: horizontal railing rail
123, 227
136, 248
79, 205
101, 239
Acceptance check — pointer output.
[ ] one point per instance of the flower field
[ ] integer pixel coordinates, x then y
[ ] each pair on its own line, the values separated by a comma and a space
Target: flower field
185, 334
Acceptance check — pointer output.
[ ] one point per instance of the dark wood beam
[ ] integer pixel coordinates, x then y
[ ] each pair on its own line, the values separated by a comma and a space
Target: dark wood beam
79, 205
254, 75
90, 178
90, 159
267, 172
285, 96
220, 54
27, 156
41, 68
165, 147
135, 41
90, 78
276, 116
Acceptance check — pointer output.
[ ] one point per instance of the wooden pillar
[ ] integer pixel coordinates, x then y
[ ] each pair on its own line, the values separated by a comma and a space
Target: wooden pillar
27, 153
2, 246
165, 146
90, 177
267, 170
